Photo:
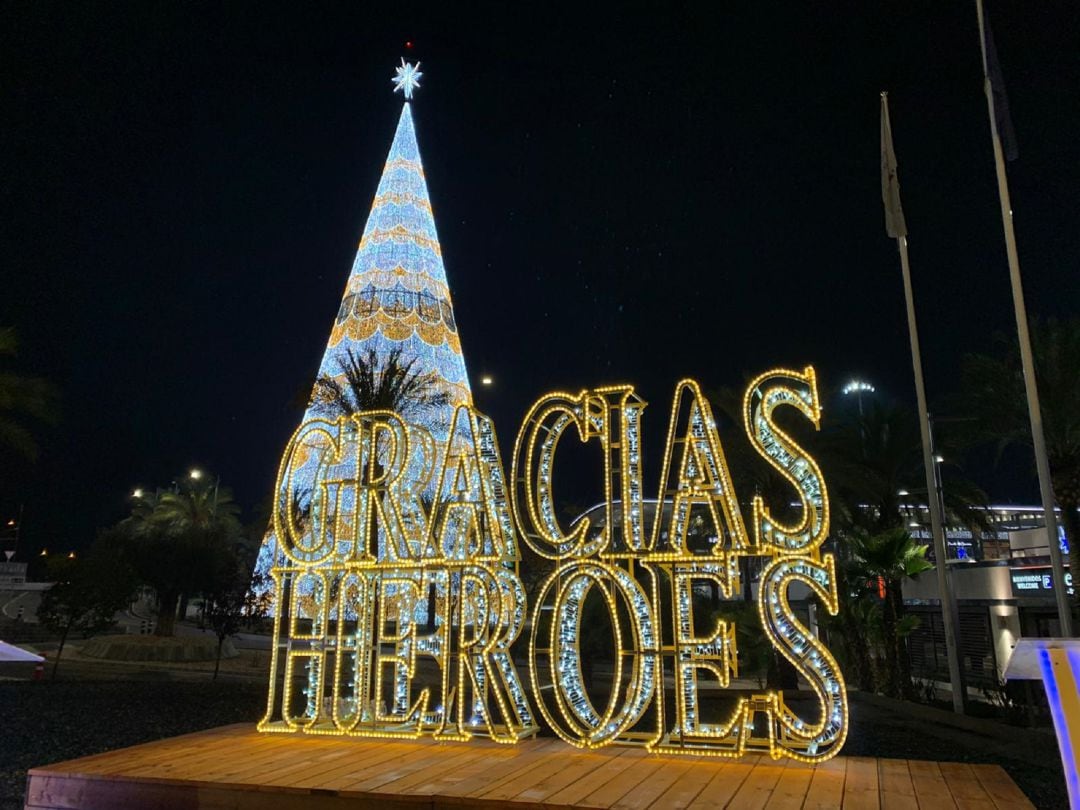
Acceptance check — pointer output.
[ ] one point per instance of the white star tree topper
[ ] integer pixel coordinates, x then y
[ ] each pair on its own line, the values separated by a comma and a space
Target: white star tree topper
407, 78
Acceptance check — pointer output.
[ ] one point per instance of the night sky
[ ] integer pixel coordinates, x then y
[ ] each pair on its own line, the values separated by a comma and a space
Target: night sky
622, 197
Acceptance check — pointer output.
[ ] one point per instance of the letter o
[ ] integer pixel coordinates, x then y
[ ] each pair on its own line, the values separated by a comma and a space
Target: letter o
563, 699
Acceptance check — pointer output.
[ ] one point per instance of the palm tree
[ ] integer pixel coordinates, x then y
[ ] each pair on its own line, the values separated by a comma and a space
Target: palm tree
366, 383
22, 397
883, 561
992, 389
854, 621
179, 542
871, 459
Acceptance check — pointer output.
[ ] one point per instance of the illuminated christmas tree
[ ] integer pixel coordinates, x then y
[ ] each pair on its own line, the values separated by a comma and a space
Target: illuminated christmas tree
397, 301
397, 297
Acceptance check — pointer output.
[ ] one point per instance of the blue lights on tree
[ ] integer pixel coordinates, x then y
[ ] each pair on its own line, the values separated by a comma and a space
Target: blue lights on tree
397, 296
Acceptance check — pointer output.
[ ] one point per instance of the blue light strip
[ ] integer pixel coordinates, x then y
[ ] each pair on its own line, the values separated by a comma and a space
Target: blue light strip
1053, 697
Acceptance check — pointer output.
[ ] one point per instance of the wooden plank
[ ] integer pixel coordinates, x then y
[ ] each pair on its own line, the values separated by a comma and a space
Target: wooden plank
331, 771
758, 786
282, 764
1002, 789
897, 791
179, 761
646, 792
280, 754
486, 761
554, 760
571, 771
725, 783
243, 769
861, 786
389, 761
413, 759
522, 759
573, 795
449, 760
827, 785
692, 783
236, 768
929, 785
399, 758
613, 790
965, 787
790, 792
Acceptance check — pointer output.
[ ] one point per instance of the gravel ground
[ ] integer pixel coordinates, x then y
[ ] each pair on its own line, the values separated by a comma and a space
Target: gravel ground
49, 722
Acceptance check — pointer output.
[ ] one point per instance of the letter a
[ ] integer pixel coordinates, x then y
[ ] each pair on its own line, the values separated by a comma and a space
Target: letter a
701, 478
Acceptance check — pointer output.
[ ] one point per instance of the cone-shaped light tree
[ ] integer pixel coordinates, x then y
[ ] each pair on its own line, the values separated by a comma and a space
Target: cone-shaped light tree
395, 325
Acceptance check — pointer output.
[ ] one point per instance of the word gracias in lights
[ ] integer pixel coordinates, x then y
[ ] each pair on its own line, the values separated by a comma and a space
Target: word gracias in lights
401, 564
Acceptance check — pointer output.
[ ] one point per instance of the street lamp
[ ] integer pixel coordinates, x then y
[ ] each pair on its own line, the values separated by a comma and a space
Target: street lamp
196, 475
14, 526
858, 388
487, 380
137, 492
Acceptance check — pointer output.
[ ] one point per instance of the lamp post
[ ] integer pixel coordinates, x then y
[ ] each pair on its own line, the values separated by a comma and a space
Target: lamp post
857, 387
196, 475
13, 526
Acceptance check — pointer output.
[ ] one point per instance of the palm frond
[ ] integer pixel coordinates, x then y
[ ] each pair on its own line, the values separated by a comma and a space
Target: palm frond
367, 383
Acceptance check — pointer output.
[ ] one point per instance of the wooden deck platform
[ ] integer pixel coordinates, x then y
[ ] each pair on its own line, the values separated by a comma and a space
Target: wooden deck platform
237, 768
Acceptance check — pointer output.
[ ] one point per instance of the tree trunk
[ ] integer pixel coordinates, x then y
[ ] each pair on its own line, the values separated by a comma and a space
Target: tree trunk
858, 651
182, 610
60, 649
431, 608
890, 642
373, 538
217, 661
746, 576
903, 657
166, 618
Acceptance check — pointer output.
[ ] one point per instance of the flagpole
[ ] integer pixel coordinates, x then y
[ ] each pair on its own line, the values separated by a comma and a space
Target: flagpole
896, 226
948, 603
1038, 439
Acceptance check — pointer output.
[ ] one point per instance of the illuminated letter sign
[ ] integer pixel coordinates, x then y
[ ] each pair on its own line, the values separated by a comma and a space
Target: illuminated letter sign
393, 575
375, 587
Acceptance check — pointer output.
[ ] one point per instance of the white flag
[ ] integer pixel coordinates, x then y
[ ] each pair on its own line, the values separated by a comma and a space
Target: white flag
890, 183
